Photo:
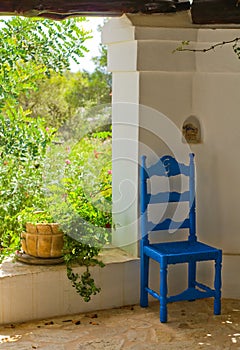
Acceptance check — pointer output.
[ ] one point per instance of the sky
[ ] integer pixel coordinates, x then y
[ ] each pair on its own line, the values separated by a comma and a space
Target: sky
91, 44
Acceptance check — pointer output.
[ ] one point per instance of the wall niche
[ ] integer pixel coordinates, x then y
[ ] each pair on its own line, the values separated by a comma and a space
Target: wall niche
191, 130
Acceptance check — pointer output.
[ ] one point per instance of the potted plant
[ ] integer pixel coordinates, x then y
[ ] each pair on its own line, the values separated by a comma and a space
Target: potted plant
42, 238
70, 240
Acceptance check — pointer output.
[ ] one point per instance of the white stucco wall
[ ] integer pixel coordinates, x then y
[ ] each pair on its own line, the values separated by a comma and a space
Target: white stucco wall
146, 73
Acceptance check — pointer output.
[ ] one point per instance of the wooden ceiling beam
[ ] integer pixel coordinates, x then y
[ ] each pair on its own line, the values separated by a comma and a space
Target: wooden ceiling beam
64, 8
216, 12
202, 11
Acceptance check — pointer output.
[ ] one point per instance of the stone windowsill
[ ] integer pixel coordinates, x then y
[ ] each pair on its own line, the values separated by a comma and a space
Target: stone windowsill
10, 267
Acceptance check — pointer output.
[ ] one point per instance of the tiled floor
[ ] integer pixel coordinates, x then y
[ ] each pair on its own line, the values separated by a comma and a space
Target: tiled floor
191, 325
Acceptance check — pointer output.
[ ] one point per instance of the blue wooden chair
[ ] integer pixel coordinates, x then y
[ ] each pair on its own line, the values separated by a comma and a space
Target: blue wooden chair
189, 251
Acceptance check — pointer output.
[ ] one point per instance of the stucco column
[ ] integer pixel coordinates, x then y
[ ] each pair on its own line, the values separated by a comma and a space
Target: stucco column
122, 51
154, 92
138, 58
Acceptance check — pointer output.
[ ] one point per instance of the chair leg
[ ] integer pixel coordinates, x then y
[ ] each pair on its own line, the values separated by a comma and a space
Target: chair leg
191, 275
163, 292
144, 275
217, 285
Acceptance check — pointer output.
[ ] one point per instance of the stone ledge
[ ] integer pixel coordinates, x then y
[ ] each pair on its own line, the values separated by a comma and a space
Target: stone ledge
11, 267
31, 292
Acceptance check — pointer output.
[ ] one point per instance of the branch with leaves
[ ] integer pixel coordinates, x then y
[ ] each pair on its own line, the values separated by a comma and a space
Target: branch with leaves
32, 49
236, 48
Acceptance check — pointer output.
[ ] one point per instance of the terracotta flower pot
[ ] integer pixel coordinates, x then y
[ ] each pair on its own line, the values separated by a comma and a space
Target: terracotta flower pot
42, 240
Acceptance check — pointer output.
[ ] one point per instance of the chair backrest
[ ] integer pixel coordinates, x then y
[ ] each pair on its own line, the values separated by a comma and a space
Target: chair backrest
167, 166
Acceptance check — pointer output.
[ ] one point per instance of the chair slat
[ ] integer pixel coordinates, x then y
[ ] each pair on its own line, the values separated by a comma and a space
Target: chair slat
167, 166
168, 224
166, 197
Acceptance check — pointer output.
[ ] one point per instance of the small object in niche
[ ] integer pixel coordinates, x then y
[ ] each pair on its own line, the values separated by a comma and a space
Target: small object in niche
190, 133
191, 130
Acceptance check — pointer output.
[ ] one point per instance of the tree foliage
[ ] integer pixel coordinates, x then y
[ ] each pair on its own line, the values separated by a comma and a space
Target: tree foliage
61, 97
31, 49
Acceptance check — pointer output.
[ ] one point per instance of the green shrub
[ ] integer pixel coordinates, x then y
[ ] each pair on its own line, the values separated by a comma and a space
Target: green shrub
80, 200
23, 144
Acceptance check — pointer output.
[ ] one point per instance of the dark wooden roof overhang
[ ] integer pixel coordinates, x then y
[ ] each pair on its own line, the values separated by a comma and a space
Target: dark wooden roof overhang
203, 11
216, 11
61, 9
